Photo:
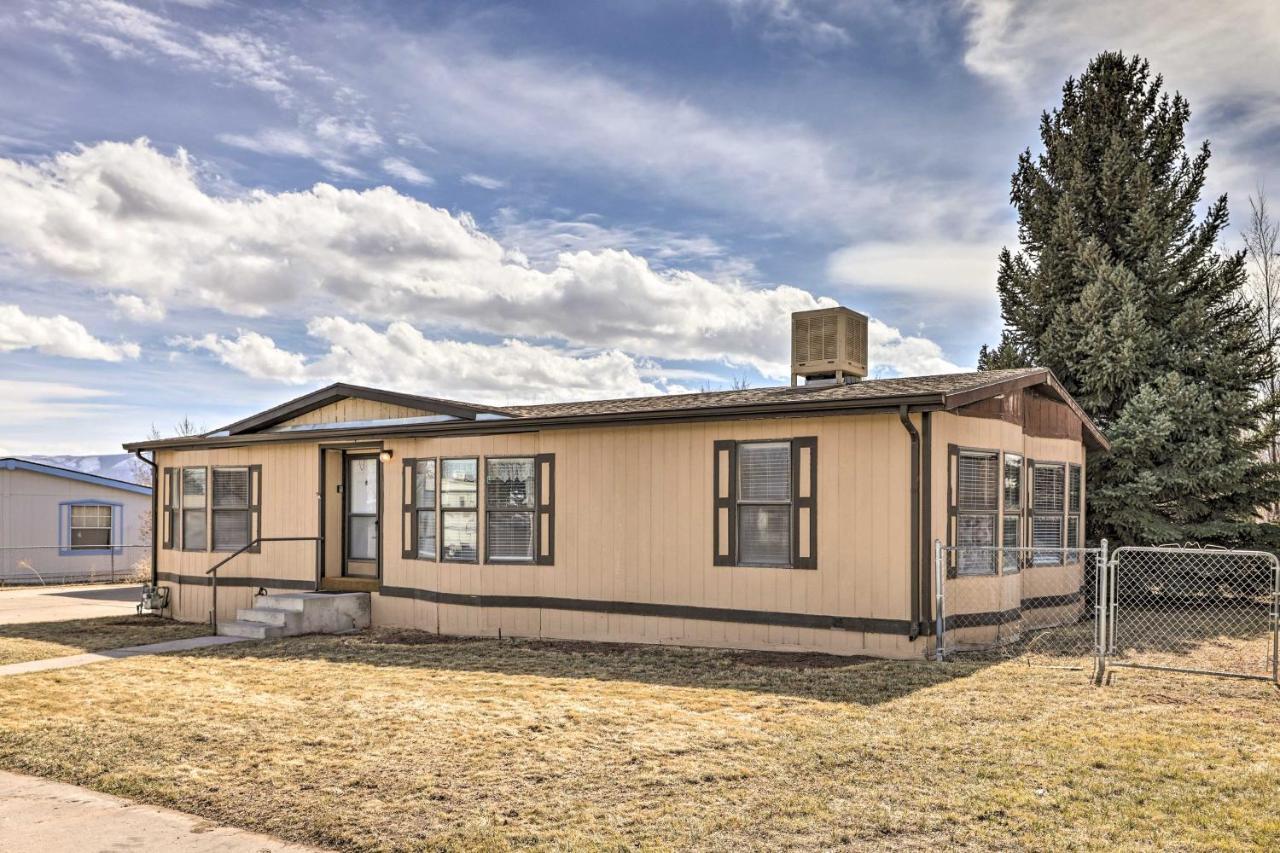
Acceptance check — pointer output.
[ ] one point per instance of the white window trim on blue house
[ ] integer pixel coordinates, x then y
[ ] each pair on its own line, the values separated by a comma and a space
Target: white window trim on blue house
64, 528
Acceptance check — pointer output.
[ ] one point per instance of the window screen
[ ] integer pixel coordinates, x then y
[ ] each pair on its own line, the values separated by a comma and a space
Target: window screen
1074, 492
1048, 502
459, 500
1048, 494
1010, 540
1046, 532
91, 527
194, 502
230, 508
975, 532
978, 481
424, 503
764, 503
1012, 481
459, 536
977, 508
509, 490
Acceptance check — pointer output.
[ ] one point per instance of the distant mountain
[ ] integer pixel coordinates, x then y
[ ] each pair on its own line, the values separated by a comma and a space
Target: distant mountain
117, 466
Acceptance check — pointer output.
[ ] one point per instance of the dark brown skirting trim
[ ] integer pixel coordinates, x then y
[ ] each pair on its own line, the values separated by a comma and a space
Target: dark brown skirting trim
204, 580
983, 620
670, 611
1052, 600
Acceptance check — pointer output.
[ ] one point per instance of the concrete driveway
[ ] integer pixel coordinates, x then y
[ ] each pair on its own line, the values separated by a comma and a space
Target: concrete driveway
58, 603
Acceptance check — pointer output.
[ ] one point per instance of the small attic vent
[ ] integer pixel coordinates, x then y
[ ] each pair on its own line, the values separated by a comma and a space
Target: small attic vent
828, 344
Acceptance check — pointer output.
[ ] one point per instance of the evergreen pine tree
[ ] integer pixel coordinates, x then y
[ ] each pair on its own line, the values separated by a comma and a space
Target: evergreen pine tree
1119, 290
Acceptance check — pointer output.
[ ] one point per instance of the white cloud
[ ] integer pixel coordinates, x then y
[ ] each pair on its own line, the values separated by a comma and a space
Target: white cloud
543, 240
57, 335
137, 309
1231, 55
124, 216
402, 357
953, 269
892, 353
790, 20
128, 32
406, 171
484, 182
43, 417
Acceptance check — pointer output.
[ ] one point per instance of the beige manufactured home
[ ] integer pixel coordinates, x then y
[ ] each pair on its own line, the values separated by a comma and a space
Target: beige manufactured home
797, 518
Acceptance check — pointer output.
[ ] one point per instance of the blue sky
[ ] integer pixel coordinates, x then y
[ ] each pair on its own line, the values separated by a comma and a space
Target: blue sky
210, 206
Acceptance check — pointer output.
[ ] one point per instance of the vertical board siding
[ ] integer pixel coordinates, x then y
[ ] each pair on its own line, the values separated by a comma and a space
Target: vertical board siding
633, 521
1004, 591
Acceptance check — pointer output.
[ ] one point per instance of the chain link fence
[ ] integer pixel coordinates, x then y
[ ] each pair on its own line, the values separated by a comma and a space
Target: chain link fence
41, 565
1200, 610
1035, 604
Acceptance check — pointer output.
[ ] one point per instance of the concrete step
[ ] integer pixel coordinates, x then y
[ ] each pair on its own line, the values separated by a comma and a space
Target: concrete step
249, 630
290, 620
311, 612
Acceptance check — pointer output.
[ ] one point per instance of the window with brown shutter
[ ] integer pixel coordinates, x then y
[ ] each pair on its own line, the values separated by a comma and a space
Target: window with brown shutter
765, 503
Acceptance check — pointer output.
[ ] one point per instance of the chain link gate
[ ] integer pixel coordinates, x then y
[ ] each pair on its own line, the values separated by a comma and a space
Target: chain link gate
1199, 610
1041, 605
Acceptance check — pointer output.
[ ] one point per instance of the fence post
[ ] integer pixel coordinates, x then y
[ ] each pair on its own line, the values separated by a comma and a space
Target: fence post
940, 583
1275, 622
1100, 613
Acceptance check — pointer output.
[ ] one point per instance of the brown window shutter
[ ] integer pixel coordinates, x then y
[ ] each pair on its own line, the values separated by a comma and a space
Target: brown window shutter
167, 490
953, 507
544, 531
804, 502
724, 463
1029, 466
255, 507
408, 520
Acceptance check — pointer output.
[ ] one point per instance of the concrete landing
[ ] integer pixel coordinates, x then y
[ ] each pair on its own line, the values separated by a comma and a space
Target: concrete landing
113, 654
39, 816
289, 614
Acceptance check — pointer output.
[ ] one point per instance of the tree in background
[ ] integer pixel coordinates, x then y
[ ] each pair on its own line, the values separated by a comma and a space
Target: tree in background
1118, 289
1262, 247
143, 474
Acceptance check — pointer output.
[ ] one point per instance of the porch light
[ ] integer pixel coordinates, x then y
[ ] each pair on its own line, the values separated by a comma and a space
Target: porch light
385, 456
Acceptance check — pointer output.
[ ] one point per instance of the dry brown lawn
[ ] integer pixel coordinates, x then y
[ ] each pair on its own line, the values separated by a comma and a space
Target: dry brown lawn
392, 741
39, 640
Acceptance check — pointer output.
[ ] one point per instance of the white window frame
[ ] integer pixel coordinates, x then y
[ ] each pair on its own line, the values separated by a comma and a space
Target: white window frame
789, 503
72, 527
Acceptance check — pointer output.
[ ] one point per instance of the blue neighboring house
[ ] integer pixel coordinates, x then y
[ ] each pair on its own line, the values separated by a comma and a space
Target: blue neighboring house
59, 524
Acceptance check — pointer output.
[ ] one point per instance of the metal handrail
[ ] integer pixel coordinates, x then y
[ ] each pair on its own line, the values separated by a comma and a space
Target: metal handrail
212, 571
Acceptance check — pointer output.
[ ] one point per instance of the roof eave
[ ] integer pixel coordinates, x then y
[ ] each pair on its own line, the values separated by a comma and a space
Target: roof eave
340, 391
917, 402
1041, 376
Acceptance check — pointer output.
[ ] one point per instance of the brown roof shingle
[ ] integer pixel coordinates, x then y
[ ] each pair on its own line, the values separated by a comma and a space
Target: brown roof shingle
869, 389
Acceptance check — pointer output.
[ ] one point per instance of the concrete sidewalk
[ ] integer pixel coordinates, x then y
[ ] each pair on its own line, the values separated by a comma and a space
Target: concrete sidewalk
21, 605
38, 816
68, 661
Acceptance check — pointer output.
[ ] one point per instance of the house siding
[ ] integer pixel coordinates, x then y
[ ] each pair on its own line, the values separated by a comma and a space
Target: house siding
32, 517
633, 525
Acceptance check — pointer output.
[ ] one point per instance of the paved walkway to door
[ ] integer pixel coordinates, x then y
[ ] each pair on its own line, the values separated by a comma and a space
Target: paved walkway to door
39, 816
69, 661
59, 603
